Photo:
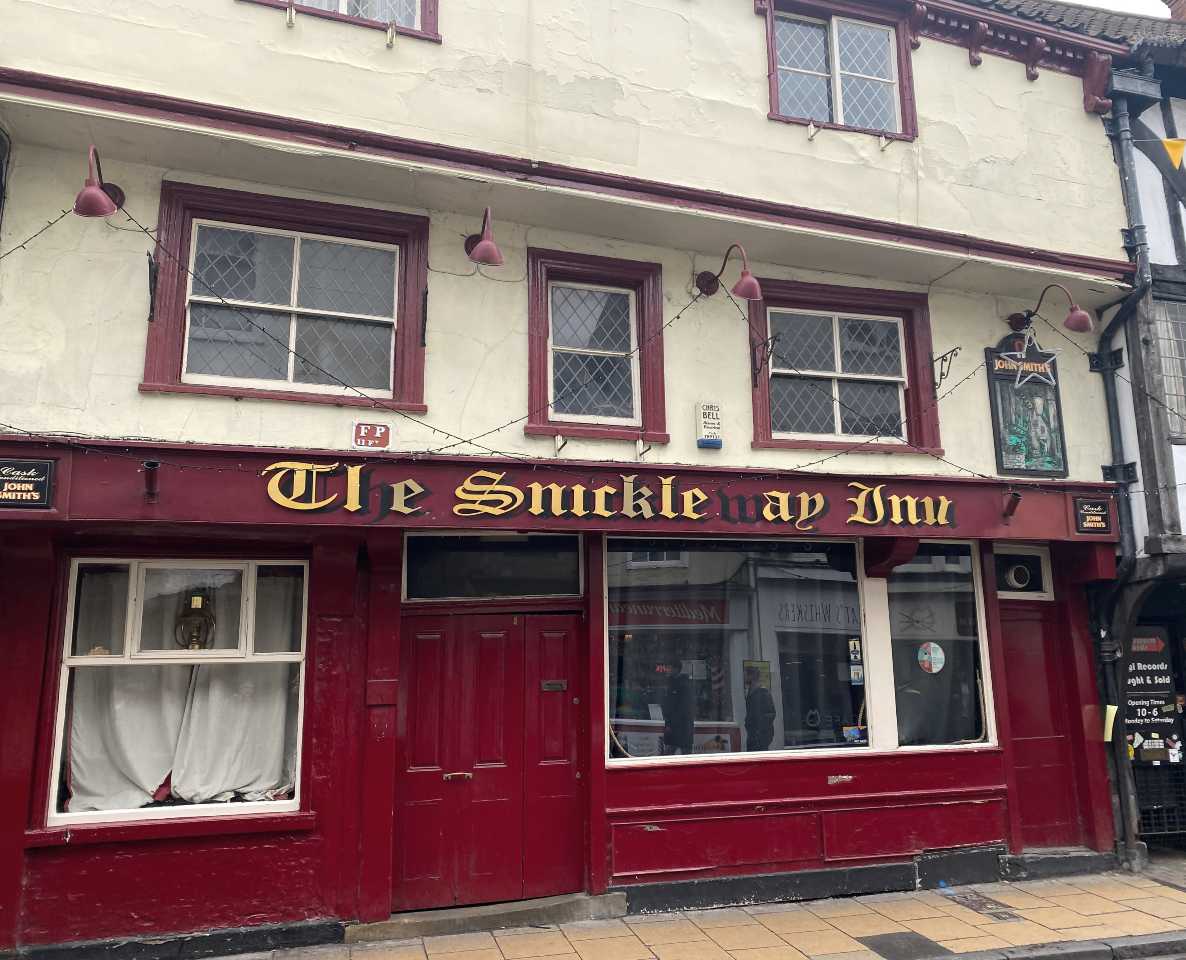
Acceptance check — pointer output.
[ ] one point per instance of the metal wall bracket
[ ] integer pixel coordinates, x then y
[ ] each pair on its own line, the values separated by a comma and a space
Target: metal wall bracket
1103, 362
1134, 237
1120, 472
941, 367
153, 269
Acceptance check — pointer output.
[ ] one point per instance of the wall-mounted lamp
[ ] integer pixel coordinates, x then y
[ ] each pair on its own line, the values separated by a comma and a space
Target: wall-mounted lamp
1077, 320
747, 286
481, 248
97, 198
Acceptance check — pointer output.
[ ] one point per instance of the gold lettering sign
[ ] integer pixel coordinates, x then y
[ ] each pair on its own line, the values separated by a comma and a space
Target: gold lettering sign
311, 487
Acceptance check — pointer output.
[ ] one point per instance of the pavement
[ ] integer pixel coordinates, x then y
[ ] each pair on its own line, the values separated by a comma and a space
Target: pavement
1107, 916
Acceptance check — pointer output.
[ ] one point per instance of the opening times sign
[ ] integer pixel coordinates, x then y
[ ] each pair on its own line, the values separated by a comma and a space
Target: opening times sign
1151, 709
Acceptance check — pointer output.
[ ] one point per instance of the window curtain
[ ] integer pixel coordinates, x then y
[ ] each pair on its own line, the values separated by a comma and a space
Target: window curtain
198, 733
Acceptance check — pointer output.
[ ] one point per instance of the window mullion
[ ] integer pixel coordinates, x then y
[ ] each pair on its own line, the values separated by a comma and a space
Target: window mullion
880, 704
292, 299
837, 418
834, 48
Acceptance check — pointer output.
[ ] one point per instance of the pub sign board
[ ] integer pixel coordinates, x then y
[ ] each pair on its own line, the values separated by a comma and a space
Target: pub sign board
1026, 408
26, 484
1093, 515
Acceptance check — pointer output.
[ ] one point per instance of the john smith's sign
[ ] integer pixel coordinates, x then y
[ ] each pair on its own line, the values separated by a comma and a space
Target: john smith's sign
492, 494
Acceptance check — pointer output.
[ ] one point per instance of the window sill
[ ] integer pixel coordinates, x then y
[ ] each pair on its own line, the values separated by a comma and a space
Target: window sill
802, 122
345, 18
855, 446
251, 393
592, 431
93, 833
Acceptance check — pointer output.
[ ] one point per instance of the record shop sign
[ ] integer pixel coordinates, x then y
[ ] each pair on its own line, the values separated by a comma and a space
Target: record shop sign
26, 484
493, 494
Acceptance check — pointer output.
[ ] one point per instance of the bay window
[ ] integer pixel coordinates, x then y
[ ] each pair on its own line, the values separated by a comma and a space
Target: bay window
180, 689
787, 646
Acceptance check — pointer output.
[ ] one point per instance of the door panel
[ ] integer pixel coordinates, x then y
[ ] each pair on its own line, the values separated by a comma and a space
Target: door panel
423, 868
491, 717
555, 790
1040, 724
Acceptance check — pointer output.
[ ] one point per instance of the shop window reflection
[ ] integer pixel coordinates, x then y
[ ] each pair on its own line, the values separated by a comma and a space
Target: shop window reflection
742, 647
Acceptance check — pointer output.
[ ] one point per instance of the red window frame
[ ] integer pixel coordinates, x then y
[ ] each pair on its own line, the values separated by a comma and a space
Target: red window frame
922, 414
181, 203
429, 18
872, 12
646, 281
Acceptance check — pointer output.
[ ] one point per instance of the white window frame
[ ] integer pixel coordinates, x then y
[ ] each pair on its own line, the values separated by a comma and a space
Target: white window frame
877, 648
1027, 550
835, 75
633, 356
681, 560
837, 374
131, 657
343, 7
292, 310
502, 598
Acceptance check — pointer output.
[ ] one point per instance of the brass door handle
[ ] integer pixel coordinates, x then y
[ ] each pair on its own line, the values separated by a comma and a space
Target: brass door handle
458, 776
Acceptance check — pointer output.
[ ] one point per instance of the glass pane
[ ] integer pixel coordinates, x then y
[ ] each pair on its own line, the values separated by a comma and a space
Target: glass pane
590, 319
865, 49
804, 341
493, 566
801, 44
870, 346
190, 609
321, 4
747, 647
346, 278
228, 342
869, 104
801, 405
804, 95
936, 642
161, 736
593, 385
279, 609
241, 265
100, 610
352, 352
402, 12
870, 409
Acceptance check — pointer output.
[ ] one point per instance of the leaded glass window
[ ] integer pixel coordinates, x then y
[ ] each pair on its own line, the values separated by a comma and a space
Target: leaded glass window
594, 360
403, 13
837, 71
836, 374
275, 308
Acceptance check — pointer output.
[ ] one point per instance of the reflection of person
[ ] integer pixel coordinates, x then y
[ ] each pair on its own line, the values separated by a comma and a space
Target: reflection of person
679, 710
759, 712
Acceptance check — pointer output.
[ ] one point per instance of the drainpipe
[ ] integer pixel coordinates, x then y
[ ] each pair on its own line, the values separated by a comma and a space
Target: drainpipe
1105, 362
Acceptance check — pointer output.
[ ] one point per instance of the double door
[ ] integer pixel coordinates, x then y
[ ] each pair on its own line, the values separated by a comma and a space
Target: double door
489, 800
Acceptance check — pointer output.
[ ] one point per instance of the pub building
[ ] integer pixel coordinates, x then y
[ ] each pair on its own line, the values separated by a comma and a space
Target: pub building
437, 521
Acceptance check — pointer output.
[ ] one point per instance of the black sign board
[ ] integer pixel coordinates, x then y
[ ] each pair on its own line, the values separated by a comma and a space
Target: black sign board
1026, 408
1093, 515
1153, 727
1150, 662
26, 484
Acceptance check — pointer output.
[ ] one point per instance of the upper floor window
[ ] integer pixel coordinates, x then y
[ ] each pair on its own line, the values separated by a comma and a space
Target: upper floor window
851, 72
1171, 346
836, 375
404, 13
837, 71
841, 366
596, 352
281, 298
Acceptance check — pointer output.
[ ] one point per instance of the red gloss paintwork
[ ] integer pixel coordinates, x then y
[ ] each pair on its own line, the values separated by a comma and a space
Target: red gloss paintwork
335, 857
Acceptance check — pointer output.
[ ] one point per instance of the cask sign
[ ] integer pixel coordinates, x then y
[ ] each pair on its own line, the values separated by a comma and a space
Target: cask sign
26, 484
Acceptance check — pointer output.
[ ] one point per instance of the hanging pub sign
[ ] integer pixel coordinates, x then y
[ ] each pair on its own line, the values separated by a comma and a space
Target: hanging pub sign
1026, 408
26, 484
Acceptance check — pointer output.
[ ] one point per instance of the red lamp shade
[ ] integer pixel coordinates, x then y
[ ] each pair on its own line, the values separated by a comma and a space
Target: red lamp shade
96, 198
482, 249
747, 286
1078, 320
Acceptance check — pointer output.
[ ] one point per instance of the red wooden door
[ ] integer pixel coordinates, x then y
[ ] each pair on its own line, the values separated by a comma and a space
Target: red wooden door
488, 744
554, 855
1039, 721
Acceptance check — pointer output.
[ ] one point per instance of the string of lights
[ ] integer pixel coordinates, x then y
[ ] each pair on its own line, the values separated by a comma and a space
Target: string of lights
33, 236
